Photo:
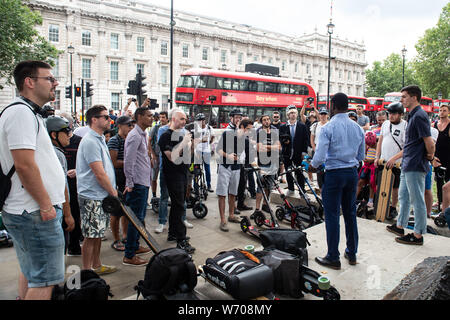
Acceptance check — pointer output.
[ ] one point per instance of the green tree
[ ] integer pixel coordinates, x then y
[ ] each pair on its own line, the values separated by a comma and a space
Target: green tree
387, 76
19, 40
432, 63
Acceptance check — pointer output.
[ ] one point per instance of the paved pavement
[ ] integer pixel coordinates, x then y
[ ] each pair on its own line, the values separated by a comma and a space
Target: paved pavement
382, 263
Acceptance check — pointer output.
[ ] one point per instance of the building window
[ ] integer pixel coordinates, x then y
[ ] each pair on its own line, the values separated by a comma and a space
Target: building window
296, 67
340, 74
114, 70
223, 56
165, 102
115, 41
349, 90
164, 72
86, 68
240, 58
53, 33
320, 70
270, 61
86, 38
185, 51
349, 75
140, 41
140, 66
256, 58
340, 88
164, 50
55, 68
283, 65
357, 76
205, 54
308, 68
320, 87
115, 99
87, 102
57, 102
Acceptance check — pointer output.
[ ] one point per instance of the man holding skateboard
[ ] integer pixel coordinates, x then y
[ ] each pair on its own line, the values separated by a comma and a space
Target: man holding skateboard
390, 148
418, 151
341, 147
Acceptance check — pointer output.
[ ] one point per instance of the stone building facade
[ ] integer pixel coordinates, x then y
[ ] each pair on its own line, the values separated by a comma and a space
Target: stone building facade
112, 39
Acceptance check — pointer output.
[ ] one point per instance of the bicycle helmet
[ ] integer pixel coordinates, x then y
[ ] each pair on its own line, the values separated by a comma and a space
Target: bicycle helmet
352, 114
57, 124
200, 117
371, 138
395, 107
236, 112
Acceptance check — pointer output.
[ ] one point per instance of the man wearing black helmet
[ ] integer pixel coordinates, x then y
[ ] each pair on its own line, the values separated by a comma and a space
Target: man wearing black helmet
60, 134
390, 147
49, 110
229, 168
203, 148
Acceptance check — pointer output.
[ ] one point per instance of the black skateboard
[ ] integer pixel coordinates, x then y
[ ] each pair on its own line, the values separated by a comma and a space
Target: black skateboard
114, 204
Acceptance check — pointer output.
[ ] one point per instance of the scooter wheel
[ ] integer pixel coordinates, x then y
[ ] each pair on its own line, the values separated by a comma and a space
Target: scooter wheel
259, 219
245, 223
200, 210
280, 213
440, 221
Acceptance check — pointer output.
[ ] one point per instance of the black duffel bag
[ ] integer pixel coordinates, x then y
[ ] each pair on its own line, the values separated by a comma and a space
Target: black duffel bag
288, 240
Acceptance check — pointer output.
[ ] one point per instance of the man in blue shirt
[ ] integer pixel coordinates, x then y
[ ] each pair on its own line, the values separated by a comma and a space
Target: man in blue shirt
418, 151
341, 147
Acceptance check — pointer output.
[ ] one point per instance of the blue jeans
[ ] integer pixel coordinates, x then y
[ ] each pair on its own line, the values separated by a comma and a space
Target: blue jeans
39, 246
206, 156
339, 190
411, 192
164, 200
137, 201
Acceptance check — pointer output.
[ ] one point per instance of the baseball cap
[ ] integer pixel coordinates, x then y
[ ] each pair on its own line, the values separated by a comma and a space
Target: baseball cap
124, 120
323, 111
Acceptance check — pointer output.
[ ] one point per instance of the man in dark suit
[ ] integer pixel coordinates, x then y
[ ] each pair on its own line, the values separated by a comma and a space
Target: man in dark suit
294, 136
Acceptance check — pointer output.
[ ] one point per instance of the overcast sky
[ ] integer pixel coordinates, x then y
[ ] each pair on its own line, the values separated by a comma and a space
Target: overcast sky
384, 25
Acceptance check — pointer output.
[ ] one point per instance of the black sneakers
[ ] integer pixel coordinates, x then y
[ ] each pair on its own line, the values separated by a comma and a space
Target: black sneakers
393, 228
185, 245
410, 239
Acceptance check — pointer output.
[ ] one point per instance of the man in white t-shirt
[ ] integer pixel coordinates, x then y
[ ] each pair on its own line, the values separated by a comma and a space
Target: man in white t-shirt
390, 147
315, 132
203, 134
32, 211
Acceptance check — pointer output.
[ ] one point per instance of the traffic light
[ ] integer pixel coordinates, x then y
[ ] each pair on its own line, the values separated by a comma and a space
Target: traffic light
132, 89
153, 104
77, 91
89, 91
69, 92
140, 84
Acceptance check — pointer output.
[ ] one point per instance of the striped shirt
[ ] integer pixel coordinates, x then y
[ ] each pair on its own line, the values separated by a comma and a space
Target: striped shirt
117, 143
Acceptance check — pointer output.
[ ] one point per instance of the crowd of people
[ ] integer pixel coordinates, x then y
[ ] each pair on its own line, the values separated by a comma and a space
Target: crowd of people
64, 171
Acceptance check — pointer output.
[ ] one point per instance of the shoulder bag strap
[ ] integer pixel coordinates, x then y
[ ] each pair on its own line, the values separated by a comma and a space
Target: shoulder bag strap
390, 130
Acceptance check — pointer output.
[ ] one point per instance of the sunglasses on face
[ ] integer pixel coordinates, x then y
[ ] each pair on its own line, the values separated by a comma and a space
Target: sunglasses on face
106, 117
51, 79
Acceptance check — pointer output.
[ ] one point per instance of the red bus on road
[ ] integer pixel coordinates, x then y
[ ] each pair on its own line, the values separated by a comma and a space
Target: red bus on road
375, 104
426, 103
390, 98
352, 102
437, 104
215, 93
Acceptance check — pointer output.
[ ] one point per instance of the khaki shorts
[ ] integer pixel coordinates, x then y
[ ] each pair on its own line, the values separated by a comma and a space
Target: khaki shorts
227, 181
94, 221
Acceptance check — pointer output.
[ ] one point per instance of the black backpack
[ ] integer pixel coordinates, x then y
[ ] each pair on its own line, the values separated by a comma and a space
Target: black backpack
92, 288
5, 180
168, 272
288, 240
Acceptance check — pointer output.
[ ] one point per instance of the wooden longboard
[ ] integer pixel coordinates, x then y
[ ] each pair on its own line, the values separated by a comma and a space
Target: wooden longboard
114, 203
384, 191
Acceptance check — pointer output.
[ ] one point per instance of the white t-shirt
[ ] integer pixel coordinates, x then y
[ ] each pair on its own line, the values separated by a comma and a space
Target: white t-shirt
389, 148
204, 133
315, 130
18, 128
434, 134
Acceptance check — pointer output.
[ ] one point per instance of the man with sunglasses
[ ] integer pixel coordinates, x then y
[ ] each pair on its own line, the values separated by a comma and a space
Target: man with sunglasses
32, 211
95, 181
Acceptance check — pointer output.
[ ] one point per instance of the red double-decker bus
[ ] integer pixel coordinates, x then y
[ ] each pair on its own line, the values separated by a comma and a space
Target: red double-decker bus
215, 93
426, 103
352, 102
438, 103
375, 104
390, 98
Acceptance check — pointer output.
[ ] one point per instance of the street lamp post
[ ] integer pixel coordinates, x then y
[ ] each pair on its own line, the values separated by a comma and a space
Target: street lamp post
330, 27
403, 76
71, 50
172, 24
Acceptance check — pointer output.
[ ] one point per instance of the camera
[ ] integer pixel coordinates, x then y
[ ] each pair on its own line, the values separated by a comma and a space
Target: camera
134, 100
310, 99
